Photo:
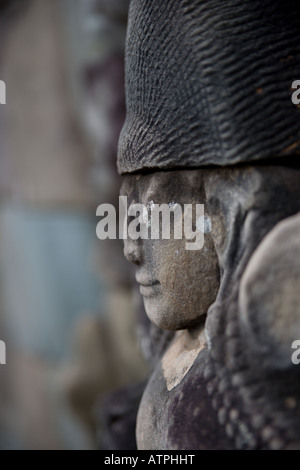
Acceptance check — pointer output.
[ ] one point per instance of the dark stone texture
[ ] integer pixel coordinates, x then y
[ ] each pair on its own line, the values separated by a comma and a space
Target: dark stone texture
182, 418
208, 83
117, 418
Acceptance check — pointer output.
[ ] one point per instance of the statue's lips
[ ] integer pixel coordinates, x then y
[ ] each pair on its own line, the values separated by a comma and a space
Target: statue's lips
148, 288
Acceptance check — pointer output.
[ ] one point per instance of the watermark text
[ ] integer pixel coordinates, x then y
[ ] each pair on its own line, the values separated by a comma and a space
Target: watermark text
296, 94
296, 354
2, 92
154, 221
2, 353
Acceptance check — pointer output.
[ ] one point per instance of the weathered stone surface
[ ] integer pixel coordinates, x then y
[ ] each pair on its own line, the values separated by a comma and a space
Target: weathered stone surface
163, 266
182, 418
212, 389
117, 418
208, 83
269, 297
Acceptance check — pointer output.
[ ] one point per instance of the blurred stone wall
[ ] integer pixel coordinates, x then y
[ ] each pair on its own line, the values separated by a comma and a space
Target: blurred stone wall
66, 304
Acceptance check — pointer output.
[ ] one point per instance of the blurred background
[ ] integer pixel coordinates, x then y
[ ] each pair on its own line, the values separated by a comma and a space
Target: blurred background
67, 308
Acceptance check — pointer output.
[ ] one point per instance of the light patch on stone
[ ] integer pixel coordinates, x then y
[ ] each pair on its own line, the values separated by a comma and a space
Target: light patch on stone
180, 356
246, 434
151, 205
233, 415
203, 224
208, 339
276, 444
290, 403
146, 217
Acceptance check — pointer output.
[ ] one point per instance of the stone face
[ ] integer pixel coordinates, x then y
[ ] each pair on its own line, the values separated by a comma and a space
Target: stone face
208, 83
163, 266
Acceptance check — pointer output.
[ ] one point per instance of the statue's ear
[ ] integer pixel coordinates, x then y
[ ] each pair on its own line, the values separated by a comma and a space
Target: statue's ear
269, 297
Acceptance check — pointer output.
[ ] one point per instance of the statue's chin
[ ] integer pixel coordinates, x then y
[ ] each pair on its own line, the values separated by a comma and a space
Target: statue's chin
167, 317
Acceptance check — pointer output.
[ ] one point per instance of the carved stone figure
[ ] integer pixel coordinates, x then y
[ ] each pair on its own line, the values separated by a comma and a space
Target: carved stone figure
210, 121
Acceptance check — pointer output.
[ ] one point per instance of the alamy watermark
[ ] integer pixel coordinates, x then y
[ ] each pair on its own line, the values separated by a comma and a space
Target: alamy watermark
155, 459
2, 344
154, 221
296, 94
2, 353
296, 354
2, 92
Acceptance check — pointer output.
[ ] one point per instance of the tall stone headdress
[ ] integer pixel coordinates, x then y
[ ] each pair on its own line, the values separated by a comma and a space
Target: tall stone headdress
209, 83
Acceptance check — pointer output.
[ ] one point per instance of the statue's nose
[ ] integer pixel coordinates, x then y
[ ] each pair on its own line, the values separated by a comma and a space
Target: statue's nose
132, 251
